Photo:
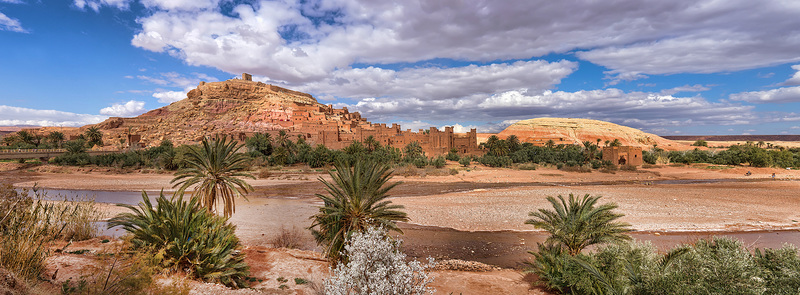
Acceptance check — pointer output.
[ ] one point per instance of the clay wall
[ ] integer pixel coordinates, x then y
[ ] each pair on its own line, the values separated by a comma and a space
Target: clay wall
623, 155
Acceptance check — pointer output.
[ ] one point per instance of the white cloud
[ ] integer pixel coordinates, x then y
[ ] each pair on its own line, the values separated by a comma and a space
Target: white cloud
685, 88
795, 79
778, 95
636, 109
96, 4
441, 83
180, 4
10, 24
169, 96
24, 116
131, 108
174, 79
632, 38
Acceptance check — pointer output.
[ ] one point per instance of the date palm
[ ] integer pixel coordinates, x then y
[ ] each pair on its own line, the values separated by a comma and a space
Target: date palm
577, 223
356, 200
56, 138
94, 136
215, 167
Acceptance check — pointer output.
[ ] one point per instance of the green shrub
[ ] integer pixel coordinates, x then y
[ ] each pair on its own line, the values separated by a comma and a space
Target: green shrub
464, 161
420, 162
187, 236
439, 162
452, 156
781, 269
627, 168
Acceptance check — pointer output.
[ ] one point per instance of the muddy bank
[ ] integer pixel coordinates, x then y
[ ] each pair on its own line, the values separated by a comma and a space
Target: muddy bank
509, 249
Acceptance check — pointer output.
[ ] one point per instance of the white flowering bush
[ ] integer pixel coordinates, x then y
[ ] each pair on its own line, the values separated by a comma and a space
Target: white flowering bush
375, 265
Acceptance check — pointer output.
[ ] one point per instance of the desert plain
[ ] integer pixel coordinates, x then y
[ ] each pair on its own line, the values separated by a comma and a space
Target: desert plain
473, 221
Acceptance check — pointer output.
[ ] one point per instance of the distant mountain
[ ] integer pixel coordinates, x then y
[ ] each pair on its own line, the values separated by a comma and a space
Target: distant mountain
754, 138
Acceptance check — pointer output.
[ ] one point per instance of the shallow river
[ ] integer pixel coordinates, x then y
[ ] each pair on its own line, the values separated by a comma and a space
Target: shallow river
501, 248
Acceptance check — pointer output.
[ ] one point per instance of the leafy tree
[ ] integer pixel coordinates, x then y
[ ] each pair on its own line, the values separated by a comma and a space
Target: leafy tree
700, 142
355, 200
577, 223
94, 136
215, 167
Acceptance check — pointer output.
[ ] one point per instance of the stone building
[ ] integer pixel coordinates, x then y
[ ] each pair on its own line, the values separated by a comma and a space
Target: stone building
623, 155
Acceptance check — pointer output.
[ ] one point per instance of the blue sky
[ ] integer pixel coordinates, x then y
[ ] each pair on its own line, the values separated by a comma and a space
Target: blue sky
675, 67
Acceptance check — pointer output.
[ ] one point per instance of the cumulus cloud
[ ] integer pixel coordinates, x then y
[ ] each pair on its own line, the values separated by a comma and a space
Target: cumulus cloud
795, 79
131, 108
442, 83
10, 24
169, 96
635, 109
778, 95
24, 116
303, 41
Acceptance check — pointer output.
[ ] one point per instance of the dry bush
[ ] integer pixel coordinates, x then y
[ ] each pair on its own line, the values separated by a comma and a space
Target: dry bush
407, 170
263, 173
123, 272
580, 168
29, 225
288, 238
627, 168
528, 166
649, 166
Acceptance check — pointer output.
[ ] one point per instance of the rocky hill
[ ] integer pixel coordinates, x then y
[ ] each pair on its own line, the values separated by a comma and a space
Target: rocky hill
228, 107
574, 131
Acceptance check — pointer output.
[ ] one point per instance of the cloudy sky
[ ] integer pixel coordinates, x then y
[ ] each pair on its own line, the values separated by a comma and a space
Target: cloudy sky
668, 67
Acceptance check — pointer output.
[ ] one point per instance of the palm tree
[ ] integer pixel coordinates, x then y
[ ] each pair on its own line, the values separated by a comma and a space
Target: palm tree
355, 200
578, 223
214, 167
260, 142
615, 142
56, 138
94, 136
550, 143
513, 143
371, 143
25, 137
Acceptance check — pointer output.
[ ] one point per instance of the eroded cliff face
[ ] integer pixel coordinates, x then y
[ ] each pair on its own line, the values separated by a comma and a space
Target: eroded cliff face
576, 131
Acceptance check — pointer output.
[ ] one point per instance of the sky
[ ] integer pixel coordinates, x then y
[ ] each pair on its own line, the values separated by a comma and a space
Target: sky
678, 67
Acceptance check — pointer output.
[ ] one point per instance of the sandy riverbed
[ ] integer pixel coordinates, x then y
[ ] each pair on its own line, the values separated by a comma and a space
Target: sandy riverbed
485, 199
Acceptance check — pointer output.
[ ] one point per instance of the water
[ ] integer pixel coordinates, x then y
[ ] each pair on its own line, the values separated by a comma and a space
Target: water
501, 248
